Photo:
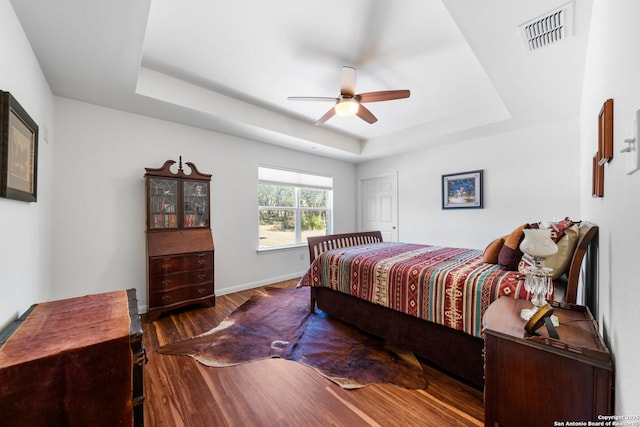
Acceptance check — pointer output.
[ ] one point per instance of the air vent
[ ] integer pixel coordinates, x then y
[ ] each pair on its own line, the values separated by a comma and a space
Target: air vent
548, 29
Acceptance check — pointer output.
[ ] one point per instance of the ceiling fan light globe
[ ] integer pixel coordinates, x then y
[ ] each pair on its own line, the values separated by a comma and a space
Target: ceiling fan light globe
347, 107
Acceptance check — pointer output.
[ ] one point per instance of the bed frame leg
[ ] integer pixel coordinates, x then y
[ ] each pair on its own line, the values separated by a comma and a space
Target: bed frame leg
312, 307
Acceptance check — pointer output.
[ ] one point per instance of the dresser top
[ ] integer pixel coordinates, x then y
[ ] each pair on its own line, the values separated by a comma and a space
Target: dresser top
578, 331
57, 326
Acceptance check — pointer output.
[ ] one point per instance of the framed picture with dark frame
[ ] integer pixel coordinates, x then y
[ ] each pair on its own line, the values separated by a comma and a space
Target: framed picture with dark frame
18, 151
597, 176
462, 190
605, 132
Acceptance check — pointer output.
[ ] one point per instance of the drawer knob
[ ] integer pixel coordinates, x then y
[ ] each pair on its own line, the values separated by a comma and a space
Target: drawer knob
202, 290
166, 282
202, 261
166, 297
201, 276
165, 267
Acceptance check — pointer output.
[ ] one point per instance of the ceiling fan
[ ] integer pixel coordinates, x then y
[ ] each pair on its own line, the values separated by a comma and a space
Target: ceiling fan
349, 103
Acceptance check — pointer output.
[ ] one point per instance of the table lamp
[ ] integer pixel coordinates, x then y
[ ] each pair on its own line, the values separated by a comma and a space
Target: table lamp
538, 283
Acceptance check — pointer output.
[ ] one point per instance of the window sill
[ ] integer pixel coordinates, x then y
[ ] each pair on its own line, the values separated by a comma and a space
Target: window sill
282, 248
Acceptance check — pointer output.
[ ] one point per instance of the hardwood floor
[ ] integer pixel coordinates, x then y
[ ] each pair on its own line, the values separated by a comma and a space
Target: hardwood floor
275, 392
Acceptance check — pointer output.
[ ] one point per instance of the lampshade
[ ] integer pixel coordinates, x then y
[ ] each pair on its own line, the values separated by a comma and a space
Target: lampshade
347, 107
538, 243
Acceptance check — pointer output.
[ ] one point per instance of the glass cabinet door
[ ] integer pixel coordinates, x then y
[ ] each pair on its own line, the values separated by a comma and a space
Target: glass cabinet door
196, 204
163, 203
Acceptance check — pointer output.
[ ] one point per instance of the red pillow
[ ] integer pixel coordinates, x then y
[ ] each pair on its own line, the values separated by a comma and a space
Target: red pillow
510, 253
491, 252
557, 229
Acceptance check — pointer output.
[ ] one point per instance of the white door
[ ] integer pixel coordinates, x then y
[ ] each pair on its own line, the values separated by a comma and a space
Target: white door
380, 206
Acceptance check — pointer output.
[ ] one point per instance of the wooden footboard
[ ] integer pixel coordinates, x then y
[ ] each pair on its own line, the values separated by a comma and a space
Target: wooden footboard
454, 351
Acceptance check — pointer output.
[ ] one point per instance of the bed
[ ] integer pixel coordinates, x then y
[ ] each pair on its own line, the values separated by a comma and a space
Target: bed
429, 299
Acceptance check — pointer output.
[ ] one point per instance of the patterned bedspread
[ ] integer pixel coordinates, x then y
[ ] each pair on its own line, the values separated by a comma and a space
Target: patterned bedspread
449, 286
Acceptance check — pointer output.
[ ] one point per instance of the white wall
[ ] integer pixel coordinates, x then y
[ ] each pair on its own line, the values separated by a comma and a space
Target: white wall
89, 218
99, 210
529, 175
25, 228
613, 67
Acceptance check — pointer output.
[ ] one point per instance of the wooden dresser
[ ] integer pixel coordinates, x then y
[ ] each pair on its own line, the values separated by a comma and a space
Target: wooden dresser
74, 362
180, 249
538, 380
180, 270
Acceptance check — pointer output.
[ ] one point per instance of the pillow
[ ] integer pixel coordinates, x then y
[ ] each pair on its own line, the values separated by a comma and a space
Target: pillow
490, 255
560, 260
510, 253
557, 228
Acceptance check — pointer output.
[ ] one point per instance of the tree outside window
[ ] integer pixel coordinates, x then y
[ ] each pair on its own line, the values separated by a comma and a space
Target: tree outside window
293, 208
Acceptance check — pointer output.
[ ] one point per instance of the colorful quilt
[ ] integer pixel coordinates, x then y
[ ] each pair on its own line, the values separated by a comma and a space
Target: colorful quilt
448, 286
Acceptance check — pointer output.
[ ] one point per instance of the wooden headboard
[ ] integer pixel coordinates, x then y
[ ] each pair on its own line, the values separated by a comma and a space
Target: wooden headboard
588, 234
586, 242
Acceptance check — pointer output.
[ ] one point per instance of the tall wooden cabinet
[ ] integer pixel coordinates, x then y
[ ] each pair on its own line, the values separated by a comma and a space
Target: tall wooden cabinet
180, 249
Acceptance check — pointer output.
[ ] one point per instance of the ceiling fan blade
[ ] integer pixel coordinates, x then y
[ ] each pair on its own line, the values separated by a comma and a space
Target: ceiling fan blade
366, 115
348, 81
312, 98
326, 116
383, 95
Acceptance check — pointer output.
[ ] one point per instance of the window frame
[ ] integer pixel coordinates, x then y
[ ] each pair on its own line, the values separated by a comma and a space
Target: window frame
325, 184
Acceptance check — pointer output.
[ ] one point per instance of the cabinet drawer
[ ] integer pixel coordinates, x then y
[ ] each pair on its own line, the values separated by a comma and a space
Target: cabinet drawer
180, 295
167, 282
176, 264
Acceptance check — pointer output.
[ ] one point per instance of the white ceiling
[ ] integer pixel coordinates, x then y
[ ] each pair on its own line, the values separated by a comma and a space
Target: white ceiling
230, 66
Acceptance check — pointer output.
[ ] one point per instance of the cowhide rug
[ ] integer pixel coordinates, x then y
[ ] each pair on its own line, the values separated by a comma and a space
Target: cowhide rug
278, 323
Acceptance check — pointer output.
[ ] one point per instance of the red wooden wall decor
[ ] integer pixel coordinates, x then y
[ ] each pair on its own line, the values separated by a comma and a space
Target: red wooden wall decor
605, 148
597, 183
605, 132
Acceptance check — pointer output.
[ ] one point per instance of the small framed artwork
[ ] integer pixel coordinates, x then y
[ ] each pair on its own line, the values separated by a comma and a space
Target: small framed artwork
597, 176
462, 190
605, 132
18, 151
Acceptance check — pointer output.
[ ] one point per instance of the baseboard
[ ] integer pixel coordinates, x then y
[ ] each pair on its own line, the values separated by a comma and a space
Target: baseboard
245, 286
257, 284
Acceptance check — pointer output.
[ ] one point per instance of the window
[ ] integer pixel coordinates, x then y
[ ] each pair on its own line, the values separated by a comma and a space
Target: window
292, 206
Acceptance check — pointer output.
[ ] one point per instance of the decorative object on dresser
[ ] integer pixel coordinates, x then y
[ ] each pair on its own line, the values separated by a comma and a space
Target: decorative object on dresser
180, 265
74, 362
537, 243
536, 380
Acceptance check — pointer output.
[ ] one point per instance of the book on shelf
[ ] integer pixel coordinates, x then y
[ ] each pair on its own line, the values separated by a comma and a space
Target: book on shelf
160, 220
